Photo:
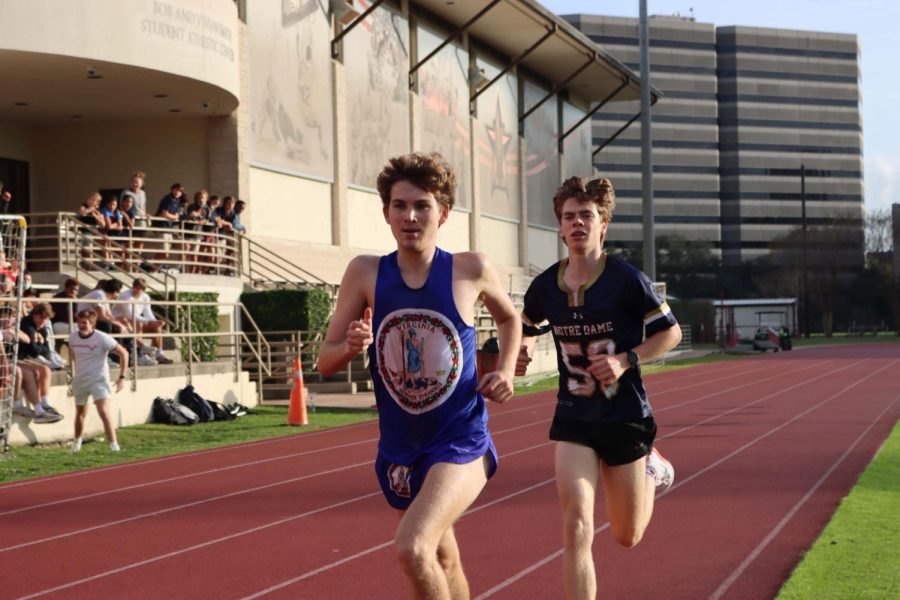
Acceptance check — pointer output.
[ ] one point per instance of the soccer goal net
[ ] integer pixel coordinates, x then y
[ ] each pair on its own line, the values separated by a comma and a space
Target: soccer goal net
12, 266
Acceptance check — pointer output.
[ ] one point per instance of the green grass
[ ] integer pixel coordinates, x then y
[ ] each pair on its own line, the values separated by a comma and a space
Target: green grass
148, 441
818, 339
858, 553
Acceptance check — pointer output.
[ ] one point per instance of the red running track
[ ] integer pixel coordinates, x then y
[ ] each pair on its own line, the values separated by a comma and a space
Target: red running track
764, 450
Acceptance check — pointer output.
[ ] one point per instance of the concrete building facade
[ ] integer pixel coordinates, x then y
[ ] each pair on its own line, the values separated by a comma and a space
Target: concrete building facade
295, 107
743, 110
685, 129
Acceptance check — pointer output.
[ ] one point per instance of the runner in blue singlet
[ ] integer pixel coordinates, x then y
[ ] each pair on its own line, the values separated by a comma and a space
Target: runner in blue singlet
413, 310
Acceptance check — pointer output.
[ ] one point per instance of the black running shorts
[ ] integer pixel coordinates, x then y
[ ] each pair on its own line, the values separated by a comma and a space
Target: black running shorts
615, 443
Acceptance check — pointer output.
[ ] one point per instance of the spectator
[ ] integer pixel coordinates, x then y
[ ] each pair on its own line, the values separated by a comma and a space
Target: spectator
138, 208
107, 289
112, 225
89, 214
210, 229
35, 345
5, 201
224, 217
138, 197
27, 292
167, 217
33, 378
144, 320
129, 214
91, 378
196, 216
62, 311
239, 207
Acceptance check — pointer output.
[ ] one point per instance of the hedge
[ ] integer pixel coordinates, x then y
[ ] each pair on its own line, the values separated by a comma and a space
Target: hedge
203, 319
288, 310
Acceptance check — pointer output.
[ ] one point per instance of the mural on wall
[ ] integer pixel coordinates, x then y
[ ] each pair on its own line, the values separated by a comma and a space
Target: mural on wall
578, 146
376, 59
444, 107
497, 141
290, 86
541, 156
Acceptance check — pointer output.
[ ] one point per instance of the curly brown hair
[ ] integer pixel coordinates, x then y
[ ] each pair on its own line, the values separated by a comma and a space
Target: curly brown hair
598, 191
430, 172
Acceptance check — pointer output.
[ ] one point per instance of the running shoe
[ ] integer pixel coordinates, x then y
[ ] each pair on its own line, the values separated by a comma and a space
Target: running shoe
76, 446
46, 417
661, 470
52, 411
146, 361
163, 359
114, 447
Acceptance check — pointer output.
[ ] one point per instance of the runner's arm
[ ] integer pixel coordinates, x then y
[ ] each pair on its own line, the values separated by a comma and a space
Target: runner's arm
349, 333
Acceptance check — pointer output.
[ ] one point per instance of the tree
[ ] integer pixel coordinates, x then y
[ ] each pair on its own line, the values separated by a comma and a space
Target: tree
879, 232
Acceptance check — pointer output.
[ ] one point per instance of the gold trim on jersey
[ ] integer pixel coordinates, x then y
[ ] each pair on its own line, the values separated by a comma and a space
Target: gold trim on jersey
657, 313
577, 298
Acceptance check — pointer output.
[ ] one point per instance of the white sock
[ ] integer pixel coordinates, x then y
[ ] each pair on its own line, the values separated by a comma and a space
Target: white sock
159, 352
38, 409
45, 401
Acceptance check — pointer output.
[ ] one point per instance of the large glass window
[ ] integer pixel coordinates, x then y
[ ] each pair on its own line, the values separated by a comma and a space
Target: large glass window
290, 87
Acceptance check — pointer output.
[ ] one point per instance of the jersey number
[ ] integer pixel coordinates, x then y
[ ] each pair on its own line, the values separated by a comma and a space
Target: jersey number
580, 381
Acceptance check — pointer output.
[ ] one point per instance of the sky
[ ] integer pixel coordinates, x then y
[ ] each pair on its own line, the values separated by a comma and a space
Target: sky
874, 22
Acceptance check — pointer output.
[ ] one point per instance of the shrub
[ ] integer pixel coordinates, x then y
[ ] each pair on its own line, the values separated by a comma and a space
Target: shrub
203, 319
289, 310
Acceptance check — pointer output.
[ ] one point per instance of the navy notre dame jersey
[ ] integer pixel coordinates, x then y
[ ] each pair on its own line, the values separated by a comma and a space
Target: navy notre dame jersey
608, 314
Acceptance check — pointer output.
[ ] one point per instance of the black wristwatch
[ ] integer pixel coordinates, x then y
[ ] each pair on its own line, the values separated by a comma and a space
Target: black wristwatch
633, 359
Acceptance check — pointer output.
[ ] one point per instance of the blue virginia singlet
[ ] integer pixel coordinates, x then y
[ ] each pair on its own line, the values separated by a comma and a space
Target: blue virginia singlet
423, 364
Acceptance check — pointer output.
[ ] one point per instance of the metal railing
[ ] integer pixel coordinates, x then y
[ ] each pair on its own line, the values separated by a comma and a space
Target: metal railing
61, 240
266, 269
289, 344
232, 344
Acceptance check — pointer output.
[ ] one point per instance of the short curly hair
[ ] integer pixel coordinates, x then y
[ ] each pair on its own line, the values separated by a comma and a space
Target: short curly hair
598, 191
430, 172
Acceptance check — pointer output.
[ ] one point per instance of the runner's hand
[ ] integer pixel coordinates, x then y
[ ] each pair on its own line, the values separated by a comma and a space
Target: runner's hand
522, 361
359, 333
496, 386
605, 368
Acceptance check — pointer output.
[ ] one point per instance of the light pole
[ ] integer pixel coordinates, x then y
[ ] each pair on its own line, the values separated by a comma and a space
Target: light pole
646, 148
803, 263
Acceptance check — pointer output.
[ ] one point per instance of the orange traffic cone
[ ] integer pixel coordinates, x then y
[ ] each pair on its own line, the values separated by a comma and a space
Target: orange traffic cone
297, 411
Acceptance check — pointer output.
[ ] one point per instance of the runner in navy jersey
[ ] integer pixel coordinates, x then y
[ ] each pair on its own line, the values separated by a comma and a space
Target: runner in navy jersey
599, 308
413, 310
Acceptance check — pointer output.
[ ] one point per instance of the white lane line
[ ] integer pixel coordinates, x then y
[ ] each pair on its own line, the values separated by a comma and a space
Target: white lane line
185, 476
521, 574
383, 545
205, 544
266, 526
150, 461
198, 546
720, 591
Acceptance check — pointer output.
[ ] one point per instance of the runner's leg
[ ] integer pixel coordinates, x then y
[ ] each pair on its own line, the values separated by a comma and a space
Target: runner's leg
629, 500
449, 489
577, 468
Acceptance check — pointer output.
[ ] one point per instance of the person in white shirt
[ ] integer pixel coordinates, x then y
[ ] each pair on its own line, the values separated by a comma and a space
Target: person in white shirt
138, 311
89, 348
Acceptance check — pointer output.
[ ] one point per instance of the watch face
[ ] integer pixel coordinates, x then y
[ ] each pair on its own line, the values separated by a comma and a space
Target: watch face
633, 358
